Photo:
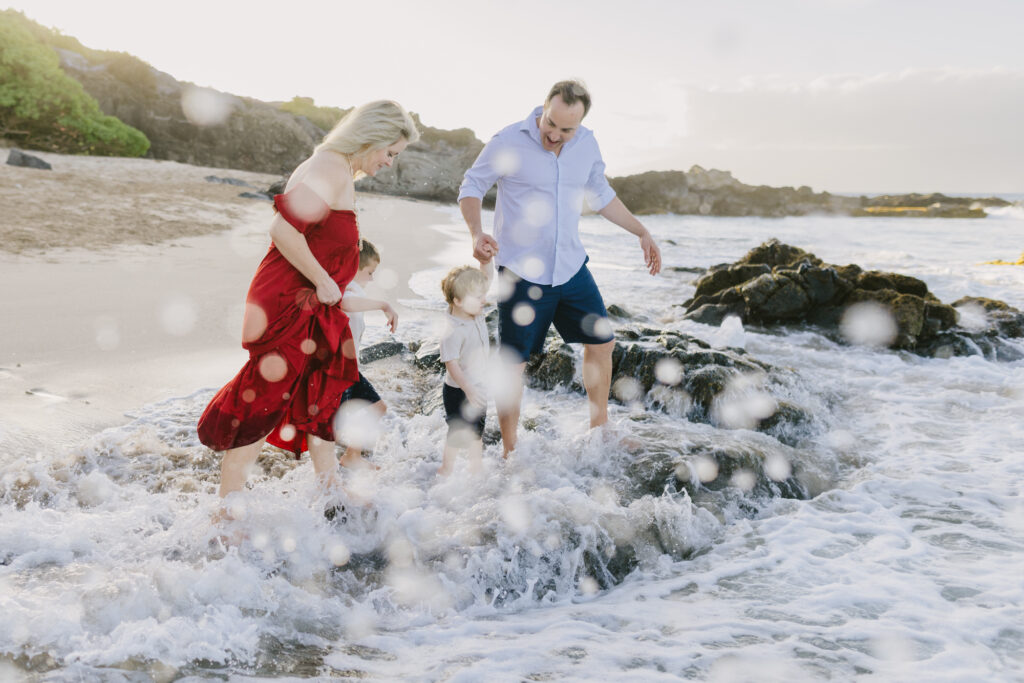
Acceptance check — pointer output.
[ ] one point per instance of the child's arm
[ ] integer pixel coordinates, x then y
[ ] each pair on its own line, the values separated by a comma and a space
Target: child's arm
459, 377
359, 304
488, 270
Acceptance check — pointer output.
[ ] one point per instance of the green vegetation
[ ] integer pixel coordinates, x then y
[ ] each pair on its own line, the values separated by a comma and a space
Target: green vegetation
322, 117
41, 107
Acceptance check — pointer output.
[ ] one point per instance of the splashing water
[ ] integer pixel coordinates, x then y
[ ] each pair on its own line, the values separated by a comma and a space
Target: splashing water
654, 547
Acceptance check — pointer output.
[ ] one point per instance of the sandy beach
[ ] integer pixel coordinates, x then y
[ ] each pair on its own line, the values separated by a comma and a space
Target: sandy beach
123, 282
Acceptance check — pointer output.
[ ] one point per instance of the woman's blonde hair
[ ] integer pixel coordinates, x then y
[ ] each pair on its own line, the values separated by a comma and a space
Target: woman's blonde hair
370, 127
461, 281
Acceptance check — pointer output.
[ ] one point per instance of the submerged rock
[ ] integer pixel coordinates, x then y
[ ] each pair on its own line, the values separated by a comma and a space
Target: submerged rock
778, 283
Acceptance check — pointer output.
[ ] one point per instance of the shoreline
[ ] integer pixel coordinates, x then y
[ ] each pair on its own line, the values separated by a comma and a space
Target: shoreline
95, 333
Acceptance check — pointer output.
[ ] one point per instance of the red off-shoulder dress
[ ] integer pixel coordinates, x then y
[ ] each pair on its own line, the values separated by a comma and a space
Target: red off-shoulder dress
301, 352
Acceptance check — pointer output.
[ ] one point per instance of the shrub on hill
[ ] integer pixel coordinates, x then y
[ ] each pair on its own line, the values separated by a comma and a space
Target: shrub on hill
320, 116
41, 107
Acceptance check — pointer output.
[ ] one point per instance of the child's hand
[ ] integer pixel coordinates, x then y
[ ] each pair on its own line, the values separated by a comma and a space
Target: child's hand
391, 315
476, 397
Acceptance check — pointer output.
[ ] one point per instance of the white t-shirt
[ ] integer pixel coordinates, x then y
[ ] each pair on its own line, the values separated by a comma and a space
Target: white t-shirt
355, 320
467, 342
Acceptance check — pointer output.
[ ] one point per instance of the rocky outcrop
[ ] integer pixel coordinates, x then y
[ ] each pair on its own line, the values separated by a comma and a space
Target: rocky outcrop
778, 283
431, 168
195, 125
681, 374
717, 193
204, 127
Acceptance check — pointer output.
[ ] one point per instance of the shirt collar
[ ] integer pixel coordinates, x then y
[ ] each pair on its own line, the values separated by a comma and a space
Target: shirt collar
461, 321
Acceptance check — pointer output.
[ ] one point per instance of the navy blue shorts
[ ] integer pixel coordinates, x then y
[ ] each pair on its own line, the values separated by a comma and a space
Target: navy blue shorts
454, 402
576, 308
361, 390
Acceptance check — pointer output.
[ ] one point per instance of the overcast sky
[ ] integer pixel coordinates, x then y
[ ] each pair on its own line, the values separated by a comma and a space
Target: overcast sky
842, 95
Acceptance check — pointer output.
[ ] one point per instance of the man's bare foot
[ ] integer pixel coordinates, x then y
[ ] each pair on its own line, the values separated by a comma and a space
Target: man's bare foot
616, 435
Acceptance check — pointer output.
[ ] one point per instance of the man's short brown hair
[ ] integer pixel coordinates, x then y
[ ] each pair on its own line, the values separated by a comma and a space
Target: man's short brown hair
571, 92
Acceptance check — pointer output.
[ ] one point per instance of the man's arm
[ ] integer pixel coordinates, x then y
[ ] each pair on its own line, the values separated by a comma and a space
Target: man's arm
617, 213
477, 181
484, 246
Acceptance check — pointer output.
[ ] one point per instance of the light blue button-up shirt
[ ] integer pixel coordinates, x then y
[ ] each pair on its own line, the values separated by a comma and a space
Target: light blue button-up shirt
540, 198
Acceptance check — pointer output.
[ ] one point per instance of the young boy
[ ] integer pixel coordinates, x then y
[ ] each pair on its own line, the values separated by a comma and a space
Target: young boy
464, 350
354, 303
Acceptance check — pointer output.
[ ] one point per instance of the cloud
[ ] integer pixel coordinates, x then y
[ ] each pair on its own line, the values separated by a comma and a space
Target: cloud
926, 129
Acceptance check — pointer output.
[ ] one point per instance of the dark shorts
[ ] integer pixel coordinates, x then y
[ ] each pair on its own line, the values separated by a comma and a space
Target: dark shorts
361, 390
454, 400
576, 308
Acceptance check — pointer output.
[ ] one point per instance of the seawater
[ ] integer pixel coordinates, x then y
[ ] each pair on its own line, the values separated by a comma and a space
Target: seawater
580, 559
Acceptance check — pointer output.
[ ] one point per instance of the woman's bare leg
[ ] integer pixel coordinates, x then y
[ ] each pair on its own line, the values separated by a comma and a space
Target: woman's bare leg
235, 466
325, 462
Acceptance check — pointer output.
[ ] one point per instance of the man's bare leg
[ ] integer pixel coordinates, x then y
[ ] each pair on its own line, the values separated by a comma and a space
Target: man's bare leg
597, 379
508, 406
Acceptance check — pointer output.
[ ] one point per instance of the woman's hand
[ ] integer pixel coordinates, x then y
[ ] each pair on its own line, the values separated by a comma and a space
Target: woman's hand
476, 398
391, 315
328, 292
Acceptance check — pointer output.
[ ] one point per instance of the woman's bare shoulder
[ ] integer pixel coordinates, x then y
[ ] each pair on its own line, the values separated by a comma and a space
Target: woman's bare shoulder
329, 176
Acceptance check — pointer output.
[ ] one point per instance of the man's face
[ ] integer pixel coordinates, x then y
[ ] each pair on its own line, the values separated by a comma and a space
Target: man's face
558, 123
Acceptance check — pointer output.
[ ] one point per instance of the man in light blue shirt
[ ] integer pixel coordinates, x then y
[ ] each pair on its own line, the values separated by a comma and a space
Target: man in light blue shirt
546, 167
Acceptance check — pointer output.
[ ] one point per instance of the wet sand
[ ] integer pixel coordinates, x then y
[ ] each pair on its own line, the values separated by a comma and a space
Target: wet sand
122, 283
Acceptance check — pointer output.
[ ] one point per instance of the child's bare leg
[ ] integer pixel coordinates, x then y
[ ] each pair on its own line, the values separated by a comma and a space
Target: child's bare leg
353, 455
473, 455
448, 459
325, 463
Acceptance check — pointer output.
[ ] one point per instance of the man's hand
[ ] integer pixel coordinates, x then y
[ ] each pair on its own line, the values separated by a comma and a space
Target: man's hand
485, 248
652, 255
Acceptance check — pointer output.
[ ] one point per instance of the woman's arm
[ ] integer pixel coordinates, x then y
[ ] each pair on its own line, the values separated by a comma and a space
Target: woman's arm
293, 246
328, 177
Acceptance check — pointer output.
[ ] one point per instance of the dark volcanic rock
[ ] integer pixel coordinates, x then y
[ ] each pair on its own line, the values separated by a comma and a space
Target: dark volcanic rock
262, 196
18, 158
668, 371
779, 283
382, 350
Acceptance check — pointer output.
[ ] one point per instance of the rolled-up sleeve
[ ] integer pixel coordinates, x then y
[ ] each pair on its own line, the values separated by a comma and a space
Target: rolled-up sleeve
483, 173
597, 190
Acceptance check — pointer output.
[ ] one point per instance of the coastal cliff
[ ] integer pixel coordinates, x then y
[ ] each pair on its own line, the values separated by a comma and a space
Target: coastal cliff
200, 126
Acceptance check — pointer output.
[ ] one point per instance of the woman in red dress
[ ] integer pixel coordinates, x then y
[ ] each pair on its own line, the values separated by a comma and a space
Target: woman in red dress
300, 347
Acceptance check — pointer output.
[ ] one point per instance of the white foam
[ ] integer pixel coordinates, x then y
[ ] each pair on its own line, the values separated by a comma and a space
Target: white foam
904, 566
